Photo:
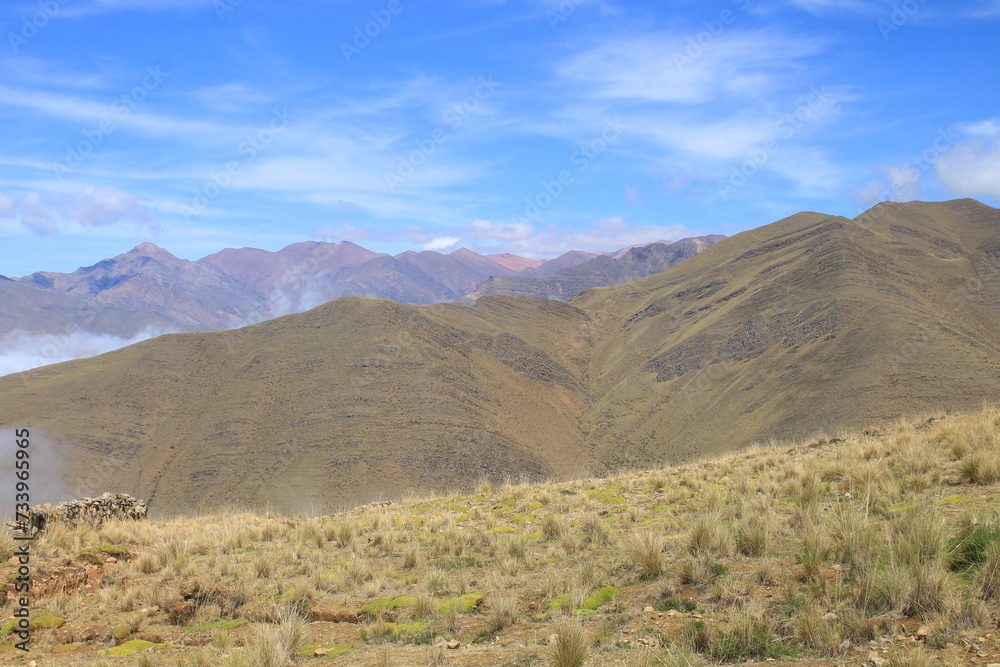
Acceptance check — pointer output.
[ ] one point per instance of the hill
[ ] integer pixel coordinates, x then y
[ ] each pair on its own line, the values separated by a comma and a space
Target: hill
879, 547
148, 288
631, 264
812, 322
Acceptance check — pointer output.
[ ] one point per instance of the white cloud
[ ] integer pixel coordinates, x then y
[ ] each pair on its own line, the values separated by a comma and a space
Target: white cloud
971, 168
441, 243
36, 215
504, 231
665, 67
101, 207
111, 6
895, 184
21, 350
6, 206
91, 208
231, 97
826, 6
604, 235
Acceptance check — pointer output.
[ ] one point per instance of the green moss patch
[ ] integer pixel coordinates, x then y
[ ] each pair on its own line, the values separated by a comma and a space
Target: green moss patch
218, 625
386, 604
502, 529
133, 647
465, 604
610, 496
563, 601
399, 631
44, 619
7, 627
958, 500
902, 507
600, 596
65, 648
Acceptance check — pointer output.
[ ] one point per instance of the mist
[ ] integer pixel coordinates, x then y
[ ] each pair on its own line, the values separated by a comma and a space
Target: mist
23, 350
46, 481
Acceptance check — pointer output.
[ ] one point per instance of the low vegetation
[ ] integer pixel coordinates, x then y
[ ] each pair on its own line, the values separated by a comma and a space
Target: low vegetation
881, 547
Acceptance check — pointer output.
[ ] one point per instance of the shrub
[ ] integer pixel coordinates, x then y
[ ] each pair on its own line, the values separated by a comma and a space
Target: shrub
644, 552
570, 646
503, 614
708, 535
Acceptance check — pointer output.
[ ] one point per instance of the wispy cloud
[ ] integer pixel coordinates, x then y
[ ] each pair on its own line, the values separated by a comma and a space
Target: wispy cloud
971, 168
93, 207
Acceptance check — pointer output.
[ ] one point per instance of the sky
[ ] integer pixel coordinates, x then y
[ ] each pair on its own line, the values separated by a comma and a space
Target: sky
524, 126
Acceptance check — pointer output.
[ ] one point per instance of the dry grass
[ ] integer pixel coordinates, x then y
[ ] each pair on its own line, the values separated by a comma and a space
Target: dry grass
819, 552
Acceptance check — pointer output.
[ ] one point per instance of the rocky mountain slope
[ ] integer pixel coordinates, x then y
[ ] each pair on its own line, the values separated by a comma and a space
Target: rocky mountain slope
564, 284
148, 288
812, 322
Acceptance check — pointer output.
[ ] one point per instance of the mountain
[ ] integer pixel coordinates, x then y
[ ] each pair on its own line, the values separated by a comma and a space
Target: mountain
30, 308
567, 260
190, 295
148, 288
812, 322
627, 265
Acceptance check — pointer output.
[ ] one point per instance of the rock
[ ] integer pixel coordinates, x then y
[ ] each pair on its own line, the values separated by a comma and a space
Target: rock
830, 616
92, 511
321, 651
923, 631
672, 612
649, 609
453, 644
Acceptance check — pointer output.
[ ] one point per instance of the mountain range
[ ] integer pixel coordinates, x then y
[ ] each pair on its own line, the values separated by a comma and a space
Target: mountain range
814, 322
148, 288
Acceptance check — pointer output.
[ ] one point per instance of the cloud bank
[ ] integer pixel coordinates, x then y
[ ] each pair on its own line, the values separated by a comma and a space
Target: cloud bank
22, 350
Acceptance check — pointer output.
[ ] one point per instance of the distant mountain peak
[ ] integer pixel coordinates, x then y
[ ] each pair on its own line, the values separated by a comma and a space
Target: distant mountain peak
147, 248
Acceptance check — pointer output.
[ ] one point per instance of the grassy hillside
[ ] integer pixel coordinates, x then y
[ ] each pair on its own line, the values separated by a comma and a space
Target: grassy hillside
873, 547
810, 322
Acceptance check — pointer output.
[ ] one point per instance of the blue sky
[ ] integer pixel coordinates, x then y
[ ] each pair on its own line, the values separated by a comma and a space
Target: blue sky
528, 126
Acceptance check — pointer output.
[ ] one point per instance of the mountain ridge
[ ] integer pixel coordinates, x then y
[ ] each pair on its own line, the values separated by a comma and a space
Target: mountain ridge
813, 322
239, 286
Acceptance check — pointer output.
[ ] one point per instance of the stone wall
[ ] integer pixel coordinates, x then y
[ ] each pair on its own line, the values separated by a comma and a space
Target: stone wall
92, 511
